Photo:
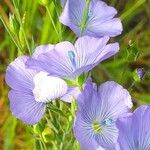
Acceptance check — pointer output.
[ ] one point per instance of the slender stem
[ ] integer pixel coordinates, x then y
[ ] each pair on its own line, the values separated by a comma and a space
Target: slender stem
132, 9
63, 139
50, 124
85, 17
18, 46
54, 26
131, 86
56, 3
41, 146
21, 25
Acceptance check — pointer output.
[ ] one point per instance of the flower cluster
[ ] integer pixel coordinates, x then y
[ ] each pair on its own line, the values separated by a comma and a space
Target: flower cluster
103, 119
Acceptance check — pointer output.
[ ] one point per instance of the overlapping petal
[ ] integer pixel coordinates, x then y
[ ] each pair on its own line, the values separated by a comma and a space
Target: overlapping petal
31, 90
42, 49
73, 14
66, 60
71, 94
18, 77
24, 107
102, 105
134, 130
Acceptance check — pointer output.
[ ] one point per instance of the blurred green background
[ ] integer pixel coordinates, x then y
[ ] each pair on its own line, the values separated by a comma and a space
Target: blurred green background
25, 24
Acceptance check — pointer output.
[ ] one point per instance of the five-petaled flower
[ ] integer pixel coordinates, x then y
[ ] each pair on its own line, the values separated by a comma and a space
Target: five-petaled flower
98, 110
93, 18
32, 90
66, 60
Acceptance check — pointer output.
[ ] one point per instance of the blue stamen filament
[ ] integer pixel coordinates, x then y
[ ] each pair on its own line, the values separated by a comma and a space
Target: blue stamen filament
107, 122
71, 56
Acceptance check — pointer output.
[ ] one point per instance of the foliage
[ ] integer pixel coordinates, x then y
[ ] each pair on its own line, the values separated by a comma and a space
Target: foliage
26, 24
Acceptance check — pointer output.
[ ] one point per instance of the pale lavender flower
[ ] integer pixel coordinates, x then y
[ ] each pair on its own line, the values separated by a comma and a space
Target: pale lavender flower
32, 90
134, 130
98, 109
98, 20
69, 61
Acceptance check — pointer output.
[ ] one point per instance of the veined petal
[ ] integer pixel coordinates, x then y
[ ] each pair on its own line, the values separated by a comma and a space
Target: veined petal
100, 21
18, 77
42, 49
48, 88
24, 107
107, 52
73, 14
58, 62
110, 28
98, 109
71, 93
134, 130
66, 60
89, 48
115, 99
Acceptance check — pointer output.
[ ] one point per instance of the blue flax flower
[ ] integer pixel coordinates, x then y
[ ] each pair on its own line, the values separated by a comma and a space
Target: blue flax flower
134, 130
69, 61
98, 109
94, 18
32, 90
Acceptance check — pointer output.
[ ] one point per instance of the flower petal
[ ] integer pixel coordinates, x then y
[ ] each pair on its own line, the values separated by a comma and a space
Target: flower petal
48, 88
103, 105
115, 100
134, 130
56, 62
18, 77
24, 107
108, 51
42, 49
101, 21
72, 14
66, 60
89, 48
72, 93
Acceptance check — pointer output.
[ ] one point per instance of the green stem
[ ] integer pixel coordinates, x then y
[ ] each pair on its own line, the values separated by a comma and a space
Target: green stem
45, 148
63, 139
12, 37
132, 9
21, 25
57, 3
54, 26
85, 17
131, 86
41, 145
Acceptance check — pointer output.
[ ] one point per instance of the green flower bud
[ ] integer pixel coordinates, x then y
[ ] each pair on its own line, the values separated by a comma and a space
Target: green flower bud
13, 24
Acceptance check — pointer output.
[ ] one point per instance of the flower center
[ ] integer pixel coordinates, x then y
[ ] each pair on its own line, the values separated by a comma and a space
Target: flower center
71, 56
96, 127
48, 88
